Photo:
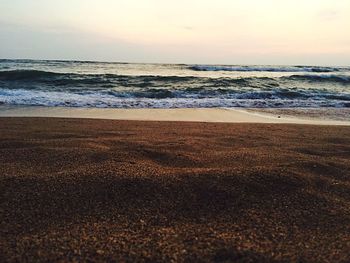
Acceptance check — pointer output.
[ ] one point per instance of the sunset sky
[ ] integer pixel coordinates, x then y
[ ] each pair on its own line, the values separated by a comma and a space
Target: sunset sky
181, 31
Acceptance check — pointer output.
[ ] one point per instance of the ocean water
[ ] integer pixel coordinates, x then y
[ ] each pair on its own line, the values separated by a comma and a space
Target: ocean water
124, 85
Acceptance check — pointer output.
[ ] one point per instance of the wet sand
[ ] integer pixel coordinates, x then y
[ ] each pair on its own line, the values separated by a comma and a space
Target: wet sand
334, 114
315, 116
104, 190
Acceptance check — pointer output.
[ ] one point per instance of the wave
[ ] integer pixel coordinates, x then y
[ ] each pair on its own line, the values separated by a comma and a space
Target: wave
56, 78
13, 75
25, 74
163, 98
45, 88
160, 87
321, 78
33, 79
111, 85
264, 69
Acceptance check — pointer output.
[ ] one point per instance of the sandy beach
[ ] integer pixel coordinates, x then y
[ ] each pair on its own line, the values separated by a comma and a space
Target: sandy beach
107, 190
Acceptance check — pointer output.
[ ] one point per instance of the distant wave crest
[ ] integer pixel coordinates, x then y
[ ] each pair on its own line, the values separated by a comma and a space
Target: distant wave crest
264, 69
321, 78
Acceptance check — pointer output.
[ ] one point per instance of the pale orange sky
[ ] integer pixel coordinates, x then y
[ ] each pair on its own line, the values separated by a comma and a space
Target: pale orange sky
182, 31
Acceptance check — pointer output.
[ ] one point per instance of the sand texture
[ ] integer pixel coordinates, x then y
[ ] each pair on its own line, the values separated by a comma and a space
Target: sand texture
75, 190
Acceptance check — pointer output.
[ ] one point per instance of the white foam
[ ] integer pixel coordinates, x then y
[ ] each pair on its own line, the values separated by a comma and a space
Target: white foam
102, 100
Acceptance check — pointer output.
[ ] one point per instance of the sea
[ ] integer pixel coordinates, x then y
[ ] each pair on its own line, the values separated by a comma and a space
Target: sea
128, 85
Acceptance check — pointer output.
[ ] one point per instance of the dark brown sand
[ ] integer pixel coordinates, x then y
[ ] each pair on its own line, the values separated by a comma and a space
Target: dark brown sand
95, 190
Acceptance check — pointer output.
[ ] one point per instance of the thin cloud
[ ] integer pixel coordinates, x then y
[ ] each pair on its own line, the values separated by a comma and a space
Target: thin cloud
329, 14
190, 28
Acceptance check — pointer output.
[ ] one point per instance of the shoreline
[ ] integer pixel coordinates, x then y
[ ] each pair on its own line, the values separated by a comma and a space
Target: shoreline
313, 116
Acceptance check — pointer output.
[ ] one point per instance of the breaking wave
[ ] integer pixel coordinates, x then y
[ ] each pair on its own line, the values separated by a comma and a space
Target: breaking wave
79, 84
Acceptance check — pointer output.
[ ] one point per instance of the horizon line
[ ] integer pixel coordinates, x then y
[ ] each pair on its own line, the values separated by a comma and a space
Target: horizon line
164, 63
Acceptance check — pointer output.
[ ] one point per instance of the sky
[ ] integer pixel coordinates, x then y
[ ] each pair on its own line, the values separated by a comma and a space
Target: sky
283, 32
